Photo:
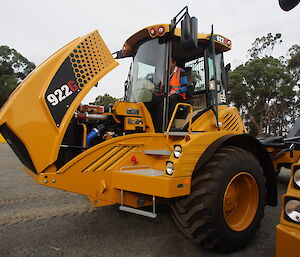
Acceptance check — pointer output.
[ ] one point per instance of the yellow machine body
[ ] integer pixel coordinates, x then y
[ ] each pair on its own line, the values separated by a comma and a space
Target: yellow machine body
103, 170
134, 164
288, 231
2, 140
285, 159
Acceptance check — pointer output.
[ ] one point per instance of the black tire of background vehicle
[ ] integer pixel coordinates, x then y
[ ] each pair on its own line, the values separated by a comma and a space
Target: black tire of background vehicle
200, 215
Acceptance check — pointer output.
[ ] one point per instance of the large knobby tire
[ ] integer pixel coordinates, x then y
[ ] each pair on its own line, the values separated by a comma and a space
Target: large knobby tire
226, 203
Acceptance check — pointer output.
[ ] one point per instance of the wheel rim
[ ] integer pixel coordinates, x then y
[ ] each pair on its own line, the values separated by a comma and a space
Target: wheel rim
240, 201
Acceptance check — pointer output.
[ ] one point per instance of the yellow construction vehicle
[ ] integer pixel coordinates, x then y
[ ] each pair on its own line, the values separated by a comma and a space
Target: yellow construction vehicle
137, 153
285, 152
287, 232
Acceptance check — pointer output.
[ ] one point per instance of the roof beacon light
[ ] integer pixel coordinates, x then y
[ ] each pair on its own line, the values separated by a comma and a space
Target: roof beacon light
161, 30
153, 32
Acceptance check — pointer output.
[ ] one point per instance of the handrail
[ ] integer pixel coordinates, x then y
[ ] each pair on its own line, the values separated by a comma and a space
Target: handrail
173, 117
84, 134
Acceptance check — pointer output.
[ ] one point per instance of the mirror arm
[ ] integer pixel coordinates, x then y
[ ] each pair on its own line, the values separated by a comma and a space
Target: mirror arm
118, 54
174, 22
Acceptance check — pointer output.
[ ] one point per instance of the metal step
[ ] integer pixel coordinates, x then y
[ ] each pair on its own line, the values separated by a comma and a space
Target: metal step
142, 170
158, 152
138, 212
148, 214
181, 133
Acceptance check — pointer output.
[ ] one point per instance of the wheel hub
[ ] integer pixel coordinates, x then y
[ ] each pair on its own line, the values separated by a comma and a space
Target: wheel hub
240, 201
230, 198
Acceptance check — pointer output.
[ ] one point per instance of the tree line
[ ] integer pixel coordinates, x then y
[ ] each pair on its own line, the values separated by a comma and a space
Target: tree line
14, 67
266, 89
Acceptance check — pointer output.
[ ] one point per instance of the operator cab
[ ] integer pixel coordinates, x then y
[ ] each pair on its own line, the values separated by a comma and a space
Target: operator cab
149, 71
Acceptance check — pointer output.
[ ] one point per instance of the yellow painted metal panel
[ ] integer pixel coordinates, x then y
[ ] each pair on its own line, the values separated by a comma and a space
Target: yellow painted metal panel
2, 140
87, 171
158, 186
287, 232
28, 111
222, 44
192, 151
287, 241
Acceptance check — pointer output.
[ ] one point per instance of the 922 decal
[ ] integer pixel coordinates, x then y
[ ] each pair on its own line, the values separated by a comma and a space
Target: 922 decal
222, 40
62, 93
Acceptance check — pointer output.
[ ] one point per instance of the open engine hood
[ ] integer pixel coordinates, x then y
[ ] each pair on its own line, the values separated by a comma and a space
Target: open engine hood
35, 117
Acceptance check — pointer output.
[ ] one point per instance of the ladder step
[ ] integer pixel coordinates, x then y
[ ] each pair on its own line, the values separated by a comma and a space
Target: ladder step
181, 133
145, 172
158, 152
138, 212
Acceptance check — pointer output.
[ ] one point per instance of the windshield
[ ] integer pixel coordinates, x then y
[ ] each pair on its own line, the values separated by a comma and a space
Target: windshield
146, 78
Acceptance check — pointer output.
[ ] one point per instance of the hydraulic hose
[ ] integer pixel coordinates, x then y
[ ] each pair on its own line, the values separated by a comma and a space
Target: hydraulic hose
93, 134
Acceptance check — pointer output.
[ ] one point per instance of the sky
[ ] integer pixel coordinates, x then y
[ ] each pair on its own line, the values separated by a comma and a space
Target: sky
37, 28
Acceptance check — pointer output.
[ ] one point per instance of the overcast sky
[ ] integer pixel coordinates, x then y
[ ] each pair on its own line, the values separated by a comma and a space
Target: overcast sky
37, 28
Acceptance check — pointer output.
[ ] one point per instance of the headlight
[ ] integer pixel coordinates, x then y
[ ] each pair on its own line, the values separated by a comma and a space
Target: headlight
177, 151
297, 177
292, 210
170, 168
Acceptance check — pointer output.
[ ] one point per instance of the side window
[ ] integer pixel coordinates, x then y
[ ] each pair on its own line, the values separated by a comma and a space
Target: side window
196, 74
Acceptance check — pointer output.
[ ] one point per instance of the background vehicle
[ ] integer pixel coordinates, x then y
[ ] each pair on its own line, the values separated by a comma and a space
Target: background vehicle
287, 232
284, 150
288, 5
217, 178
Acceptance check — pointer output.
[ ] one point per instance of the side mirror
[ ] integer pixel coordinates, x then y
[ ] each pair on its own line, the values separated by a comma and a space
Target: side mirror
227, 67
288, 5
189, 32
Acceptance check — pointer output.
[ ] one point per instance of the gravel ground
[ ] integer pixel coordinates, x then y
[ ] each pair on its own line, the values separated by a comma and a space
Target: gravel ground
41, 221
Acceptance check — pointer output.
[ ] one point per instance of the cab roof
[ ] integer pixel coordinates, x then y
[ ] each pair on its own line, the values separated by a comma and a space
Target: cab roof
222, 44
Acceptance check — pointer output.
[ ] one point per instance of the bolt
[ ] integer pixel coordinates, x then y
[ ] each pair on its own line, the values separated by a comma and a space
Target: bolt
53, 180
45, 181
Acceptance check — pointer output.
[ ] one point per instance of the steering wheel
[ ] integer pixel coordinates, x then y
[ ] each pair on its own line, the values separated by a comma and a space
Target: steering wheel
144, 91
